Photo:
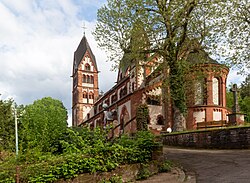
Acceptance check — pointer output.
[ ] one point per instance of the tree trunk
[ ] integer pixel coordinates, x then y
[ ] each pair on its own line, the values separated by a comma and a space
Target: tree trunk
177, 92
179, 120
166, 98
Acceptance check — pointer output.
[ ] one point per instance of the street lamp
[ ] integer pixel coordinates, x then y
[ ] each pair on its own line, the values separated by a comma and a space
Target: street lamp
16, 131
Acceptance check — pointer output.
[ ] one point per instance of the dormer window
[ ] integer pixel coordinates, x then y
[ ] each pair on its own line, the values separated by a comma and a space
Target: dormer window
87, 67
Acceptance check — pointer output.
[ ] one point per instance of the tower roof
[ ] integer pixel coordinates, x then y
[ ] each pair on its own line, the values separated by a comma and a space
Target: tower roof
200, 57
82, 48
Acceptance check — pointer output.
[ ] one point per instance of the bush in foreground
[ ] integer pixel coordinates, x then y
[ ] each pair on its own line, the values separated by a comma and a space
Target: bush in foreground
79, 151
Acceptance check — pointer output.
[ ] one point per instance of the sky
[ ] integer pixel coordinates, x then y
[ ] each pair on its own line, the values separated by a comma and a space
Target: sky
37, 42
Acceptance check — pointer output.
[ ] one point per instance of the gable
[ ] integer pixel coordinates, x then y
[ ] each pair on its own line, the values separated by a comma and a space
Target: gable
82, 50
87, 63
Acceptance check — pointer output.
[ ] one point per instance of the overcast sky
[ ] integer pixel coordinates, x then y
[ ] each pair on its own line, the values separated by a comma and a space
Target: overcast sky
37, 42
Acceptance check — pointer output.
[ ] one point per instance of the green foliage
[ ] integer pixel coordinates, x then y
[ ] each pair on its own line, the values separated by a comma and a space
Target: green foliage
245, 107
235, 24
140, 147
7, 125
164, 28
142, 117
144, 172
43, 122
113, 179
80, 151
178, 84
245, 87
50, 151
229, 99
243, 98
166, 166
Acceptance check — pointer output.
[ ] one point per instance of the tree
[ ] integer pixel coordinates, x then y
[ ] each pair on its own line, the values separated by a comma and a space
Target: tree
245, 98
7, 125
171, 28
245, 107
234, 34
229, 99
44, 122
245, 87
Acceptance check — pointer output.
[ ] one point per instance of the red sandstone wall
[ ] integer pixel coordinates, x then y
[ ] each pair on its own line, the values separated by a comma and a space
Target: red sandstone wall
230, 138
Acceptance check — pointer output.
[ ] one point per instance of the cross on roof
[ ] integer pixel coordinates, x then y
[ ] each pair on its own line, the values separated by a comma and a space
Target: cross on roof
84, 28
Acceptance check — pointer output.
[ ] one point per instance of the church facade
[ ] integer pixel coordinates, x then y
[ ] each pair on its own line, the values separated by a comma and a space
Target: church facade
143, 85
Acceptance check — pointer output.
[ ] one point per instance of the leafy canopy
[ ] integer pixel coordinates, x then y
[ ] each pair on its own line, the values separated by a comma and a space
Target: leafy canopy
234, 34
7, 125
243, 97
173, 30
44, 122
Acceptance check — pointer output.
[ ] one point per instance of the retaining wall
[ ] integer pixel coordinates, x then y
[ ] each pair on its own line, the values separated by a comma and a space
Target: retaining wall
227, 138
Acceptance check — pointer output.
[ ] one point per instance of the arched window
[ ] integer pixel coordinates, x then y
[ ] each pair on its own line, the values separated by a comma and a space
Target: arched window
85, 95
114, 98
160, 120
125, 91
95, 109
199, 92
153, 100
91, 79
88, 79
124, 118
133, 86
84, 78
91, 95
216, 91
107, 101
120, 93
87, 67
100, 107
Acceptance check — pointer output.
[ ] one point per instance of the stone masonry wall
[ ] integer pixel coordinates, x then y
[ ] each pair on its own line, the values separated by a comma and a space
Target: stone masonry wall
230, 138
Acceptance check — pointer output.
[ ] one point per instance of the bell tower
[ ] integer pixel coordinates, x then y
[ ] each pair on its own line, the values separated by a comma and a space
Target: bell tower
85, 83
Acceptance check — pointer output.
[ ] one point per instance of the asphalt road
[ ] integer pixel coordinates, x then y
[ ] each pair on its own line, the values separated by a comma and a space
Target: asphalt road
213, 166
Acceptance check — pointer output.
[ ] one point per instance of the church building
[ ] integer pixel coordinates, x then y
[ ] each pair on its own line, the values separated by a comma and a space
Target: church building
143, 85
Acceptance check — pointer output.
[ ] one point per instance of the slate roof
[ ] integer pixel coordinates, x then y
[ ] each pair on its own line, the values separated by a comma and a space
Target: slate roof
200, 57
82, 48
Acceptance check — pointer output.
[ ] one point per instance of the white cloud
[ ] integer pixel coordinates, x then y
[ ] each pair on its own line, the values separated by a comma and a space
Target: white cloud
36, 50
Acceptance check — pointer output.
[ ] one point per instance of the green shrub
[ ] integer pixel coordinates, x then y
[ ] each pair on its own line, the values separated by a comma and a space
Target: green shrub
80, 151
113, 179
166, 166
139, 147
144, 172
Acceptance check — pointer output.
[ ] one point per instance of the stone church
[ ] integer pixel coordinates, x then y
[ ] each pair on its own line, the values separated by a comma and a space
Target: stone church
142, 85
